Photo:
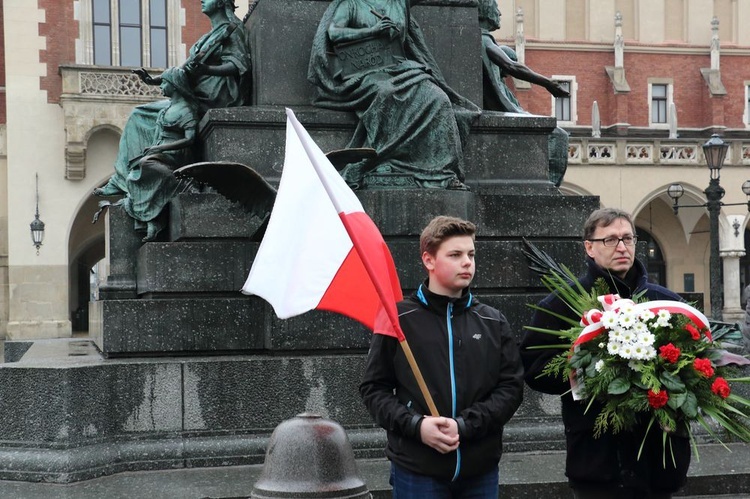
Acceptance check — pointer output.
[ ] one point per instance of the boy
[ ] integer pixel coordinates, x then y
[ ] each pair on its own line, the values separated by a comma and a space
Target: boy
471, 364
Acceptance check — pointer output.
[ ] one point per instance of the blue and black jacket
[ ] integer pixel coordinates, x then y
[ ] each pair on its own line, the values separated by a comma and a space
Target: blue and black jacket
472, 367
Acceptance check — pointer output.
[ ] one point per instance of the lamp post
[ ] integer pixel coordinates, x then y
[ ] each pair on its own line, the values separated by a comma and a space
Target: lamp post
715, 151
37, 226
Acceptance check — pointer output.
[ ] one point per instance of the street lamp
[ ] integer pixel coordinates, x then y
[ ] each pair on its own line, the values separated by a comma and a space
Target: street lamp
37, 226
715, 151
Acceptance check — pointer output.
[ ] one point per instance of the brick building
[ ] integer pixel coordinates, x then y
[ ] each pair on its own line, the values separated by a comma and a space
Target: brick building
650, 83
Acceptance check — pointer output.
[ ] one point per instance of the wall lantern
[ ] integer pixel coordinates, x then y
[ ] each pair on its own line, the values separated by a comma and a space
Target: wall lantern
37, 226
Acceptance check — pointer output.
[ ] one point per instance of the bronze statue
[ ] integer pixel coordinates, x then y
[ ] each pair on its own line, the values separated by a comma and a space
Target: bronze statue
500, 61
216, 74
150, 183
370, 57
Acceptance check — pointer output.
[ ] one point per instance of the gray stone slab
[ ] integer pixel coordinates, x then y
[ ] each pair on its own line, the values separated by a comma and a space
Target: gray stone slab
525, 475
199, 267
122, 243
260, 393
180, 325
208, 216
505, 153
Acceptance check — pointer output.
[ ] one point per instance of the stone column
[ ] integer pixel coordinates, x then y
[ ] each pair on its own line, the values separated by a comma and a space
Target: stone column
732, 311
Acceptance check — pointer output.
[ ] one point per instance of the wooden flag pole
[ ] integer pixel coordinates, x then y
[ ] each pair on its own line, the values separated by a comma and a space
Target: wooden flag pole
420, 379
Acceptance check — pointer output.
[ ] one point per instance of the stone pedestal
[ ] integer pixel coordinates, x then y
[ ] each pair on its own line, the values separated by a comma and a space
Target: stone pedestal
186, 299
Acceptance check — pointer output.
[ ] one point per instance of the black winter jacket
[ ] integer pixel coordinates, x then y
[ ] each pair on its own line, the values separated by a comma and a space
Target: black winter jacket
471, 365
609, 458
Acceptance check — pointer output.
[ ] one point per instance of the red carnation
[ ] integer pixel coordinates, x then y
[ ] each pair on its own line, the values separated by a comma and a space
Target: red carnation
669, 352
720, 388
658, 399
693, 332
704, 367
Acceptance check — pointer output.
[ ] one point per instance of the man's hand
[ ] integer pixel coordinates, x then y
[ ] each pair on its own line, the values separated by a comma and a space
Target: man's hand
439, 433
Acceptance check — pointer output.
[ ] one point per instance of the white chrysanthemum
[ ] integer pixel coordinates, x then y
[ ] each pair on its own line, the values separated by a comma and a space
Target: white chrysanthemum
599, 365
613, 348
609, 319
647, 315
650, 353
645, 338
639, 352
616, 335
626, 352
663, 322
627, 320
628, 336
664, 314
601, 345
640, 328
627, 307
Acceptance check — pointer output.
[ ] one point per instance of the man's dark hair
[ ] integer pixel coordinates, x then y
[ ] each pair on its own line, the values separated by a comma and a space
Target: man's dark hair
604, 217
441, 228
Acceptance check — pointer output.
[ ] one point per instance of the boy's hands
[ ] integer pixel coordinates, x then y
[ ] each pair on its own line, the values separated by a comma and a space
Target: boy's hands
439, 433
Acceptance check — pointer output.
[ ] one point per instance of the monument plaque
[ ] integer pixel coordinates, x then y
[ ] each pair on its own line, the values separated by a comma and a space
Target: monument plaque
370, 53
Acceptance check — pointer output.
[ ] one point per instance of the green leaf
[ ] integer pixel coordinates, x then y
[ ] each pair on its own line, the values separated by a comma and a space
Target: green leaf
672, 382
581, 358
618, 386
690, 405
676, 400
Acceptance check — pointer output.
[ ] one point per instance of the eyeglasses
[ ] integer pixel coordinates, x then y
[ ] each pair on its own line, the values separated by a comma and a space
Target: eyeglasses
612, 242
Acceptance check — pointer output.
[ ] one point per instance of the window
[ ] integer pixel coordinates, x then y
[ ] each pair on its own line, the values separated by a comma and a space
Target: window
158, 33
564, 108
660, 99
562, 104
102, 33
658, 104
747, 104
129, 32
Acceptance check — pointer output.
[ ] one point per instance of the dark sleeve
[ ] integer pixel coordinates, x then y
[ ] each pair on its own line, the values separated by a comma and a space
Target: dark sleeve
489, 415
535, 360
377, 389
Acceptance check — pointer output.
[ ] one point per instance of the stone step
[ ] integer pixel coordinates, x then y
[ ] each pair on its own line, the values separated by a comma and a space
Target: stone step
523, 475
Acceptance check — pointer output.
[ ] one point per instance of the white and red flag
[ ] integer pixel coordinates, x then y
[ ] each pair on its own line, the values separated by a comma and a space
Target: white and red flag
321, 250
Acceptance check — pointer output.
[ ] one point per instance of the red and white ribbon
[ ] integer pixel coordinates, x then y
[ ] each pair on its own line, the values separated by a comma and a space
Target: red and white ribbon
593, 327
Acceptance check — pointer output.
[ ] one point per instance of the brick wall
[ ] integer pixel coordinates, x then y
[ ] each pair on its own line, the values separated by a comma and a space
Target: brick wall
196, 23
61, 31
695, 106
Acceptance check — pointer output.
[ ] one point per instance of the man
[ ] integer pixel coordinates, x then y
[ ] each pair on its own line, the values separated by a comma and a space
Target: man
607, 466
471, 365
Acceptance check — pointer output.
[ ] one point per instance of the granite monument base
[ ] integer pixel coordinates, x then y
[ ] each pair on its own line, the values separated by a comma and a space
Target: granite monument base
71, 415
184, 297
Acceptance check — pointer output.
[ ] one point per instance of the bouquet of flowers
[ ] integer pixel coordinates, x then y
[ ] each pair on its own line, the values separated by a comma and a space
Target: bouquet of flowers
652, 358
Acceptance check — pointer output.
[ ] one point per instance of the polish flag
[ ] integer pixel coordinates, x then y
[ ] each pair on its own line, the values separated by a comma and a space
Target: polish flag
321, 250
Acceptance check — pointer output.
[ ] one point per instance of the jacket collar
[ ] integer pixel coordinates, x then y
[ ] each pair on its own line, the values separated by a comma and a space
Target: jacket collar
439, 303
634, 281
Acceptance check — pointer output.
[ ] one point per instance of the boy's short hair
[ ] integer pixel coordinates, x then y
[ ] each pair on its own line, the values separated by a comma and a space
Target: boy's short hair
604, 217
441, 228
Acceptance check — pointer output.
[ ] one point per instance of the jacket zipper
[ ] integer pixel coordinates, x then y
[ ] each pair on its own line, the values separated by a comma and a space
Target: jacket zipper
448, 320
